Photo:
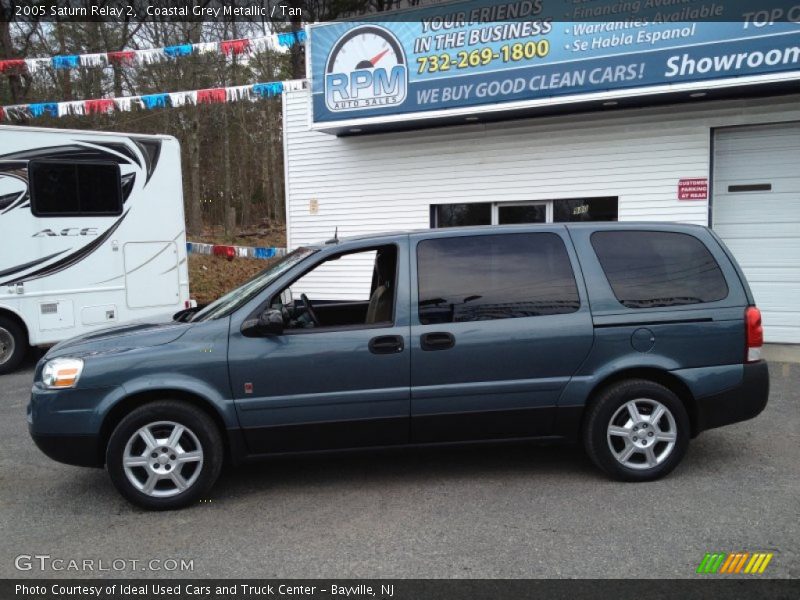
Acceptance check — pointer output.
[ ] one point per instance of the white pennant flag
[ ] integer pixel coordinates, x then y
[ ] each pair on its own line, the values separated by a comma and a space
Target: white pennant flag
206, 47
99, 59
74, 108
150, 56
239, 92
294, 85
260, 44
123, 104
34, 64
177, 99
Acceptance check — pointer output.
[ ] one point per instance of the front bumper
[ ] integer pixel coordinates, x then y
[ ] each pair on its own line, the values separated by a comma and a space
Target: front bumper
740, 403
65, 424
78, 450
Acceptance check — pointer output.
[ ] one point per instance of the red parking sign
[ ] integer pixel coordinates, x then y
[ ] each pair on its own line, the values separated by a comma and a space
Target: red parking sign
693, 189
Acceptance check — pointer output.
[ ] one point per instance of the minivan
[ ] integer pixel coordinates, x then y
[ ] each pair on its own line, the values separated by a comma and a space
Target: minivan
631, 338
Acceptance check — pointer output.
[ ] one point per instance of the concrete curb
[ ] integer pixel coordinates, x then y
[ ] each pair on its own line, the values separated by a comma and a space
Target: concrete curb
789, 353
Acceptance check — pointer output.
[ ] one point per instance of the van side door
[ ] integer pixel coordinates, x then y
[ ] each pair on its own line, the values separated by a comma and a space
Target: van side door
500, 323
338, 376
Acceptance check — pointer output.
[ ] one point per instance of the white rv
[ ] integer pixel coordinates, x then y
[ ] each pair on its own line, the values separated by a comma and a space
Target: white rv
92, 234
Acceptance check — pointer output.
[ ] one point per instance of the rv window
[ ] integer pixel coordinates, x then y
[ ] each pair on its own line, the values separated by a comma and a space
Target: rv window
67, 189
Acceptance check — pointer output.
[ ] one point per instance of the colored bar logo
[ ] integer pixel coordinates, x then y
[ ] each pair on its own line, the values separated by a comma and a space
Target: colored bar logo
734, 563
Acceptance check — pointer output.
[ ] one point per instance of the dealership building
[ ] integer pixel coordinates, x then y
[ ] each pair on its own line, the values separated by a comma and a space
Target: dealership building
567, 130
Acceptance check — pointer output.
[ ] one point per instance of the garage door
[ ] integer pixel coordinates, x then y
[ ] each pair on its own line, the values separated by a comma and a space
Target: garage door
756, 211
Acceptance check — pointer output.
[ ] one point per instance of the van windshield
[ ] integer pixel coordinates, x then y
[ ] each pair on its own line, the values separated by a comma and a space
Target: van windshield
233, 300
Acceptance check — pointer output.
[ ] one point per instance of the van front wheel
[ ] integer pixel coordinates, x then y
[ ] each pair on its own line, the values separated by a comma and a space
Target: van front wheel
164, 455
636, 430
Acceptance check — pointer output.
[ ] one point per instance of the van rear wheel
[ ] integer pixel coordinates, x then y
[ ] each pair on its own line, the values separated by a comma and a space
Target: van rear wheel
165, 455
13, 345
636, 430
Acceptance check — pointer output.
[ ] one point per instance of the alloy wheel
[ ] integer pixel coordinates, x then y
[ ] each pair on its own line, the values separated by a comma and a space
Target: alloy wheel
163, 459
642, 434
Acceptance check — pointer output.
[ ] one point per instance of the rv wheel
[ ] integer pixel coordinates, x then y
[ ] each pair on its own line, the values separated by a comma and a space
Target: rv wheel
13, 345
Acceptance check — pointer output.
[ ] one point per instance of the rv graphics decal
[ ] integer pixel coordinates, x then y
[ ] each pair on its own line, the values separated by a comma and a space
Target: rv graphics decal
137, 159
67, 232
70, 260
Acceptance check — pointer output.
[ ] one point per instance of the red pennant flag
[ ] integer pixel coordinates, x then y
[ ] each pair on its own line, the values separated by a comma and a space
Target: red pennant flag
211, 96
122, 57
97, 107
235, 46
228, 252
12, 66
2, 113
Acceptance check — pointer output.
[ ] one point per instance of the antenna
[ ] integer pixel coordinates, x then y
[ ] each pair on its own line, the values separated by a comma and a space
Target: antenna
335, 238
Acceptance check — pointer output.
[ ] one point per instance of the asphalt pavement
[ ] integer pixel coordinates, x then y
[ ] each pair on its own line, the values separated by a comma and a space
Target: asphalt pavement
520, 510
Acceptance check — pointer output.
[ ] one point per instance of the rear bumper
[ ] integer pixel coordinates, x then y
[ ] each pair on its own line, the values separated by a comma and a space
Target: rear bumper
79, 450
740, 403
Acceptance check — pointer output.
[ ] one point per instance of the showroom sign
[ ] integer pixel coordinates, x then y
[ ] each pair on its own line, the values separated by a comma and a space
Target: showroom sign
462, 57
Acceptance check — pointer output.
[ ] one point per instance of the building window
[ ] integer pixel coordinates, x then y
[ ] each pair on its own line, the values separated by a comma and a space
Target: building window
461, 215
509, 214
588, 209
67, 189
479, 278
540, 211
649, 269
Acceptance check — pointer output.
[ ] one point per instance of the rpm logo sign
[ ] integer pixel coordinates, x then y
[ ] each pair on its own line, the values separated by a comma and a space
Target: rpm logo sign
366, 69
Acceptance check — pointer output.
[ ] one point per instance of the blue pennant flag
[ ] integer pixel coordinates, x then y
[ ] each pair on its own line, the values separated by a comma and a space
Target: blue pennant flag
264, 252
66, 62
266, 90
301, 36
152, 101
287, 40
37, 110
179, 50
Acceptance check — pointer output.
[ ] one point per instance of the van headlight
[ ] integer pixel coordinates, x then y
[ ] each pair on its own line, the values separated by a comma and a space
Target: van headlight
61, 373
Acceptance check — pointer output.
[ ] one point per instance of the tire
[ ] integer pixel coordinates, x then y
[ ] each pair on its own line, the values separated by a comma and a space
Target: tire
13, 345
150, 477
636, 450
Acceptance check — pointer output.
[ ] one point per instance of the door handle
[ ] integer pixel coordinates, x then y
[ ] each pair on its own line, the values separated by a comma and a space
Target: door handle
386, 344
439, 340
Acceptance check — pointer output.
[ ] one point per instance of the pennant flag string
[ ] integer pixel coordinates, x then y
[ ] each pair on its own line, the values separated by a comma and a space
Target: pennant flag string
148, 56
20, 112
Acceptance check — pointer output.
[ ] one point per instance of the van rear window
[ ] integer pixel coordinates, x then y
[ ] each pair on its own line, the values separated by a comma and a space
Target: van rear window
648, 269
74, 188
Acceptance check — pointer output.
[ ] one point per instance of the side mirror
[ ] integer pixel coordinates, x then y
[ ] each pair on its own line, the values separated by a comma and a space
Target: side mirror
270, 322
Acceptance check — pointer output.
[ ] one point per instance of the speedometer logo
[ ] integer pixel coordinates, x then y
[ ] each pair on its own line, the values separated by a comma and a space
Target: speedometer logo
366, 69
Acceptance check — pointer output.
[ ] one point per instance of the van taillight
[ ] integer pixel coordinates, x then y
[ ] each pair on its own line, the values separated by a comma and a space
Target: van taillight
755, 333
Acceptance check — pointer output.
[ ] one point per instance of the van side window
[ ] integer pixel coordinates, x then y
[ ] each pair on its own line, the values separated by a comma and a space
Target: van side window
74, 188
657, 268
478, 278
356, 289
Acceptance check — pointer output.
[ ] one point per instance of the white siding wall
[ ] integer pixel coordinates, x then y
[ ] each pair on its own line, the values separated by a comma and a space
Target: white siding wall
387, 181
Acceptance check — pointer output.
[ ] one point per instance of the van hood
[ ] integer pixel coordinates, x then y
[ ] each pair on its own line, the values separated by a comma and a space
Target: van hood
118, 339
